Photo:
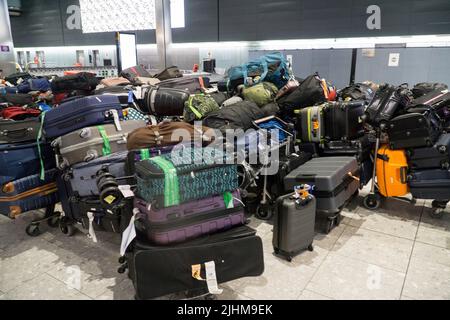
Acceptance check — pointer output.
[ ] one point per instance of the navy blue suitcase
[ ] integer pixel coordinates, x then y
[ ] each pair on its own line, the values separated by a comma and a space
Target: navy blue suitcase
22, 160
29, 193
81, 113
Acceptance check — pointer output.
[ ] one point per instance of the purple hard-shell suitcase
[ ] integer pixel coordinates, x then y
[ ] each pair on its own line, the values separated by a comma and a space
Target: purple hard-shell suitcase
81, 113
190, 220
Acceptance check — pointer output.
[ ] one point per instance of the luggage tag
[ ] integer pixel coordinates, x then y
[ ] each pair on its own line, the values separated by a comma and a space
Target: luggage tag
211, 276
126, 191
92, 234
116, 120
129, 234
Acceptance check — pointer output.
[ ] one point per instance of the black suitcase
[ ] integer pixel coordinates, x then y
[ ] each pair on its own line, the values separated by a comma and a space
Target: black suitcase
424, 88
414, 130
433, 99
83, 81
430, 184
343, 120
161, 271
19, 131
436, 157
361, 148
357, 92
294, 225
194, 85
164, 102
309, 147
385, 105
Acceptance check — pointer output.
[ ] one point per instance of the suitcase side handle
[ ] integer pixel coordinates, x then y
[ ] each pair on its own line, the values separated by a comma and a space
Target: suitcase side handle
404, 175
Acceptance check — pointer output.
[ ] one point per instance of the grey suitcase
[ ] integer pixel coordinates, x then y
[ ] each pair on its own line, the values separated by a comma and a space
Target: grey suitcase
19, 131
294, 225
82, 178
312, 124
335, 182
91, 143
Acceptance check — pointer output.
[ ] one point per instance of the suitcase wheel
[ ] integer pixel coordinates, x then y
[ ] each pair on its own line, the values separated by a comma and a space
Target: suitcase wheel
372, 202
33, 230
66, 227
53, 222
311, 248
438, 209
265, 212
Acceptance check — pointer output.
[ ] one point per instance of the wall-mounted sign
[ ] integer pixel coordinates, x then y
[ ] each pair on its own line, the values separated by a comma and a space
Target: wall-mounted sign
5, 49
394, 60
368, 53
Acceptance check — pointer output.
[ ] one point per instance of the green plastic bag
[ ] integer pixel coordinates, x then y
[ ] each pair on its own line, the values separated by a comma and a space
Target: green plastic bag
261, 94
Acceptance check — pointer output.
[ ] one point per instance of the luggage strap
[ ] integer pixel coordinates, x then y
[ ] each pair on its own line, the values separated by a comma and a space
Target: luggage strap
106, 143
145, 154
41, 160
193, 109
171, 183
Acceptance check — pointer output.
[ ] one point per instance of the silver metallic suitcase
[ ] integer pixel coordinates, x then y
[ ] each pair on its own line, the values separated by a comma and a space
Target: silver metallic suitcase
91, 143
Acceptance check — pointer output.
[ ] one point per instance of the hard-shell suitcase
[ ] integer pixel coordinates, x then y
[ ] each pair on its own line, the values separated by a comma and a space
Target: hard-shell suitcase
19, 131
294, 225
81, 113
385, 105
361, 148
334, 181
191, 220
91, 143
22, 160
165, 102
414, 130
392, 172
82, 178
170, 180
343, 120
29, 193
160, 271
436, 157
312, 124
124, 94
430, 184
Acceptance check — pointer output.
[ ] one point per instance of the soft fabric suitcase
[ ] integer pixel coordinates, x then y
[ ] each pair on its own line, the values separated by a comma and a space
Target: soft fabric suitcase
436, 157
191, 220
435, 99
361, 148
262, 93
124, 94
164, 102
22, 160
82, 177
357, 92
83, 81
19, 131
29, 193
15, 78
343, 120
81, 113
312, 124
190, 84
294, 225
169, 73
174, 179
19, 113
135, 72
160, 271
113, 82
19, 99
414, 130
385, 105
430, 184
392, 172
333, 178
91, 143
424, 88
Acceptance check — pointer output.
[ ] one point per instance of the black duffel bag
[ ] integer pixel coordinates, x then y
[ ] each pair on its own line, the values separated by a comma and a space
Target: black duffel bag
83, 81
14, 78
424, 88
357, 92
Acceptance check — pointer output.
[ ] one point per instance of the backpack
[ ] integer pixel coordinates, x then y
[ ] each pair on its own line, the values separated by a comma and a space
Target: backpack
261, 94
198, 106
357, 92
237, 116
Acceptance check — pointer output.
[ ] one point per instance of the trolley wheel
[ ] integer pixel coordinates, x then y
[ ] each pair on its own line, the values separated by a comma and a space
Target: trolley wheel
372, 202
53, 222
311, 248
438, 209
264, 212
33, 230
67, 229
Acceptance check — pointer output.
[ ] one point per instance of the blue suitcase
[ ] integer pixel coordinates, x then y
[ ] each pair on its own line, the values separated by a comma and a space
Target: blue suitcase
29, 193
81, 113
22, 160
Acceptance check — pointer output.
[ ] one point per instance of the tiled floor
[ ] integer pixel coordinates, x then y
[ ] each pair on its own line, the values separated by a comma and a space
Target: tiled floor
398, 252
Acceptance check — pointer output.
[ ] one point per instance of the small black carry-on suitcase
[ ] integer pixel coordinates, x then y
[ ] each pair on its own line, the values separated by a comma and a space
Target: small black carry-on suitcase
343, 120
360, 148
161, 271
294, 225
335, 182
436, 157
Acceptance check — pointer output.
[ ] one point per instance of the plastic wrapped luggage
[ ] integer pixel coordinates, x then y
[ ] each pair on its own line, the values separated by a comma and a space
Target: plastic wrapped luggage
430, 184
311, 125
171, 180
22, 160
164, 102
392, 172
91, 143
191, 220
29, 193
19, 131
82, 113
436, 157
343, 120
160, 271
414, 130
83, 81
335, 181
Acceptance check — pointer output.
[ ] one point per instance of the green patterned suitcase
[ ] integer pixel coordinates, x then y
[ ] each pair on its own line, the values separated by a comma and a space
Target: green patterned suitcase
173, 179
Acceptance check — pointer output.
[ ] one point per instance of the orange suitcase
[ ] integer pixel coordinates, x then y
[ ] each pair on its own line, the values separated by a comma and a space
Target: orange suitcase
392, 172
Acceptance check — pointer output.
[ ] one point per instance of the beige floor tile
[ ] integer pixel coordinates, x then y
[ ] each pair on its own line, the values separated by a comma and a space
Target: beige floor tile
229, 295
427, 280
434, 231
262, 227
344, 278
375, 248
123, 291
431, 253
395, 218
44, 287
309, 295
328, 241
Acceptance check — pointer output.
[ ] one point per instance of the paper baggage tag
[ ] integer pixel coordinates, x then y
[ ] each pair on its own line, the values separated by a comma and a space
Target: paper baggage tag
138, 93
211, 278
92, 234
126, 191
129, 234
116, 120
